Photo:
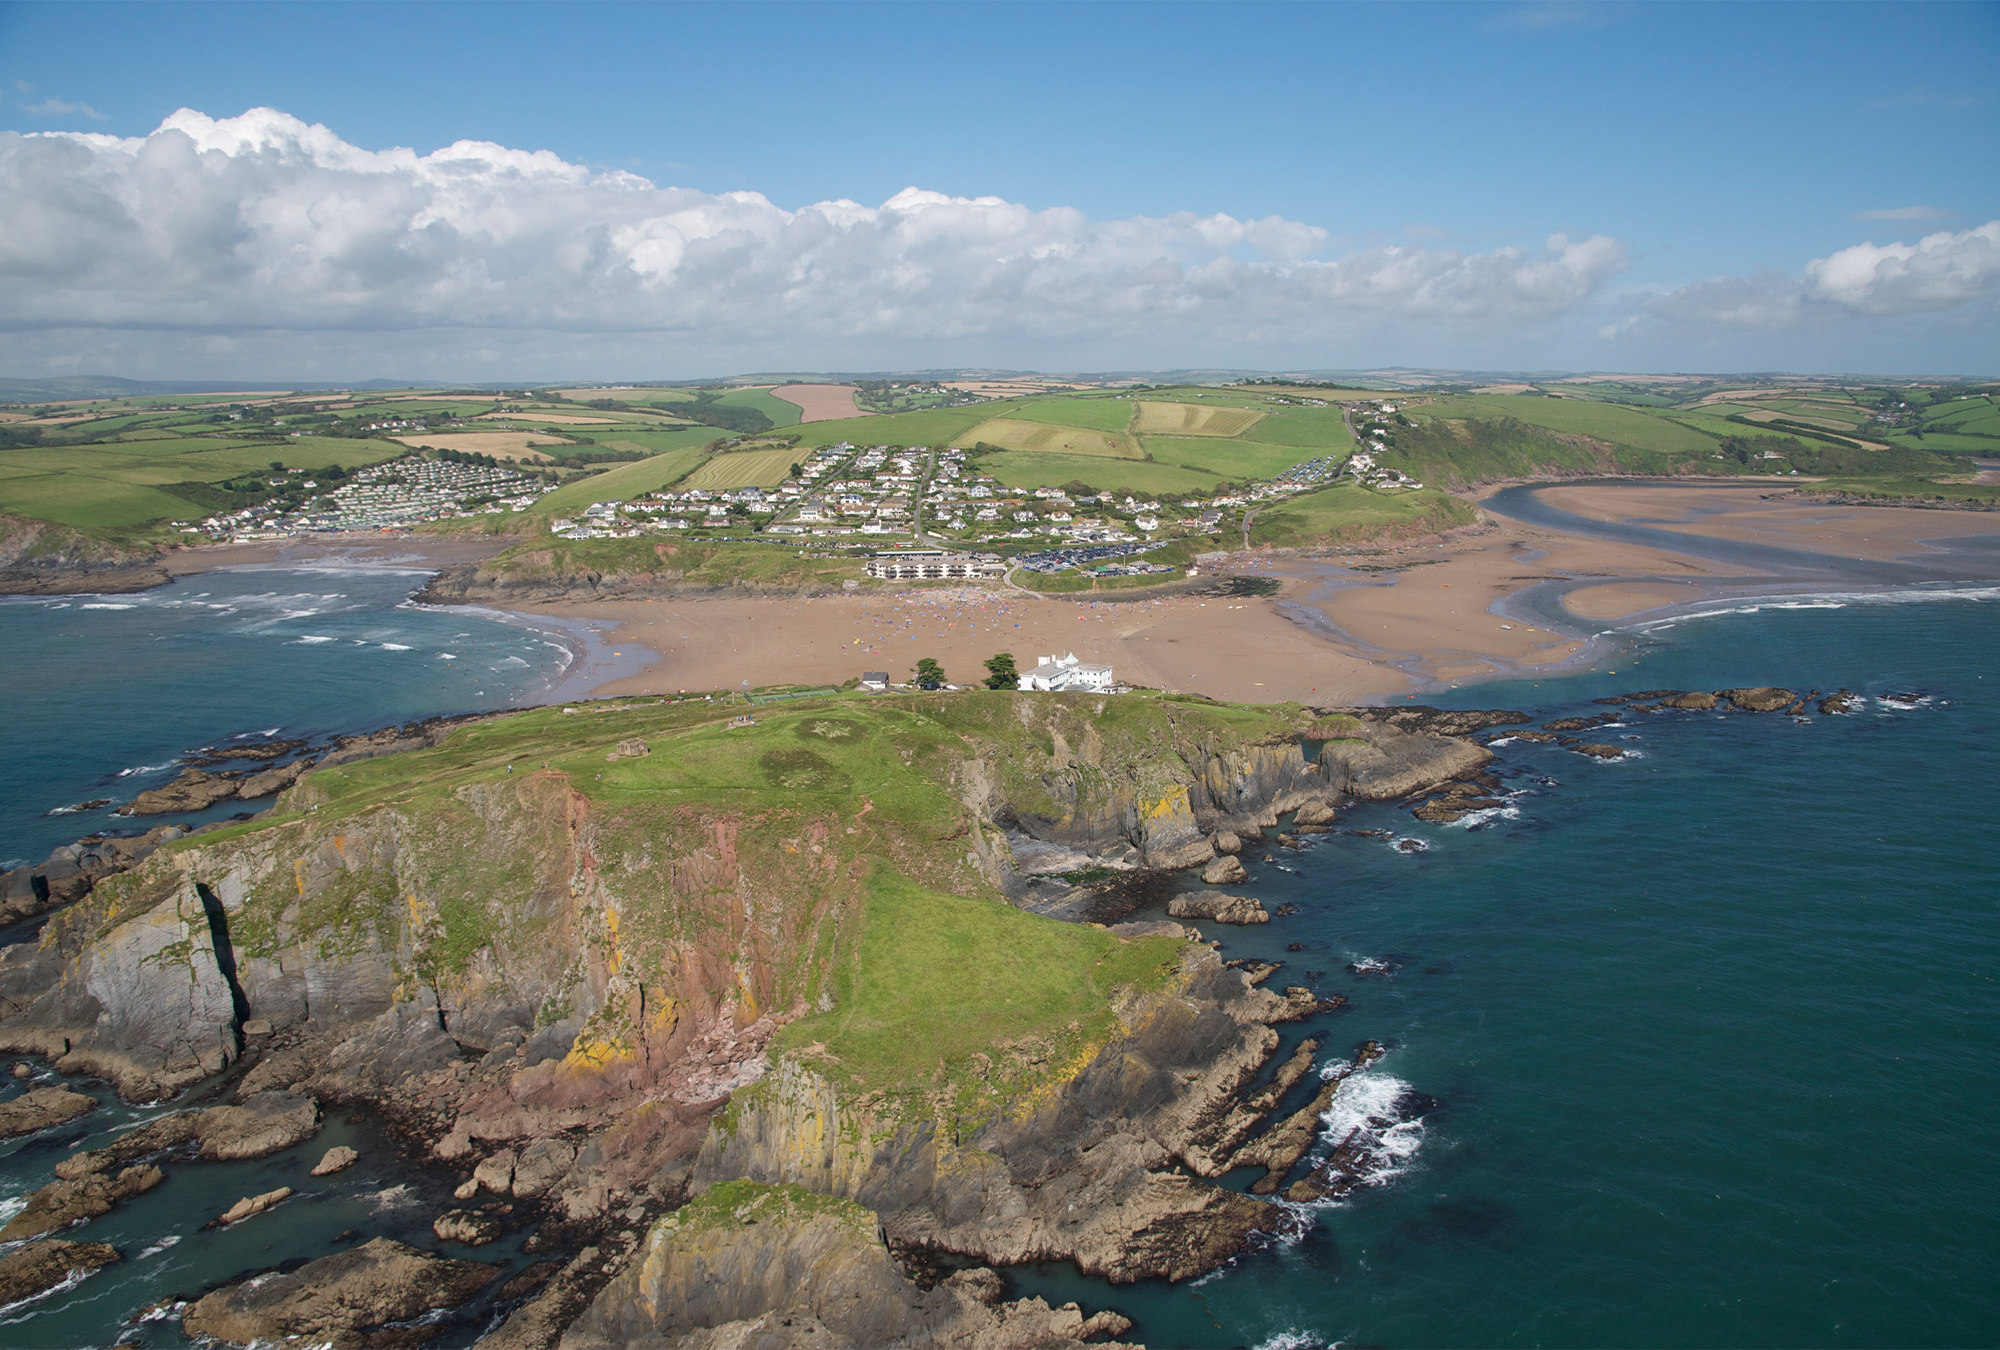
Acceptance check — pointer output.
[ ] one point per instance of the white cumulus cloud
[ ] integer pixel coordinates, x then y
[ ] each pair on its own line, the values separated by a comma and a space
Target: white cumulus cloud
1939, 272
263, 222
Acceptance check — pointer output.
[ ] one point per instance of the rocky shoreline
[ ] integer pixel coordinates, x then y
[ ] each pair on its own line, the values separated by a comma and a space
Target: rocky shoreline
687, 1184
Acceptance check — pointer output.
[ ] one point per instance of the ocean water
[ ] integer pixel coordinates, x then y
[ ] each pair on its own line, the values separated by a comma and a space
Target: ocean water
1714, 1029
1711, 1029
104, 693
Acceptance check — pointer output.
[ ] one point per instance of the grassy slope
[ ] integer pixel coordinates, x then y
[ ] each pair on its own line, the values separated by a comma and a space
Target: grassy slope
1350, 513
627, 480
552, 560
1032, 469
929, 426
1231, 459
1616, 423
781, 413
1096, 414
949, 998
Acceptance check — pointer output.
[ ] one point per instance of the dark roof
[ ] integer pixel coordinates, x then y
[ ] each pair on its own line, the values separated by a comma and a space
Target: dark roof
881, 675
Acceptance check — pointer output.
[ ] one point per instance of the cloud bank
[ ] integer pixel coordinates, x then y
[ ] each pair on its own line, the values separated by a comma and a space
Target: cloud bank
1939, 272
262, 222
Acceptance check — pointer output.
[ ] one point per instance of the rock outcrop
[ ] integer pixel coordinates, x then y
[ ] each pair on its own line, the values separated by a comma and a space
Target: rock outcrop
1218, 907
776, 1265
336, 1159
252, 1204
40, 1266
1225, 871
1384, 755
40, 558
337, 1299
62, 1203
40, 1108
263, 1125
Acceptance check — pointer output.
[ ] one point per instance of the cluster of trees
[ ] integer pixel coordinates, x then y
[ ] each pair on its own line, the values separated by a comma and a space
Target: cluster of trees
1000, 673
468, 457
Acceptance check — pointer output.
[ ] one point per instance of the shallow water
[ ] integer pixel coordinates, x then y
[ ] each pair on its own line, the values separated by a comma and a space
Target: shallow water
105, 693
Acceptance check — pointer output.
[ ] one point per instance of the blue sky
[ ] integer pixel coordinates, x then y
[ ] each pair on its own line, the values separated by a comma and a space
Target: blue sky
1414, 160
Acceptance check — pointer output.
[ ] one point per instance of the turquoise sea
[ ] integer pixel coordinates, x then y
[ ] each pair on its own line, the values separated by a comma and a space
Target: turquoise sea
1711, 1030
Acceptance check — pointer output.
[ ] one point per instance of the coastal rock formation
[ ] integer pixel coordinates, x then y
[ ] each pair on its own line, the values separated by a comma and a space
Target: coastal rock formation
1758, 700
1382, 757
1695, 702
467, 1226
40, 558
155, 1136
62, 1203
41, 1266
40, 1108
748, 1264
336, 1159
194, 790
1224, 871
263, 1125
337, 1299
1218, 907
73, 869
1599, 751
251, 1204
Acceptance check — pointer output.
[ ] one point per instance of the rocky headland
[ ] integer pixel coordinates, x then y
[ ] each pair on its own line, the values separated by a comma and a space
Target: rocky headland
635, 1001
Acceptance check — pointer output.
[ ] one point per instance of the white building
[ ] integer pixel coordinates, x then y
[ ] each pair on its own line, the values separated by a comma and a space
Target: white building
1060, 674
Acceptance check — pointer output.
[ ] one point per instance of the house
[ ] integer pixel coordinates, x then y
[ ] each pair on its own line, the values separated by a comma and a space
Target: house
1062, 674
875, 680
1147, 522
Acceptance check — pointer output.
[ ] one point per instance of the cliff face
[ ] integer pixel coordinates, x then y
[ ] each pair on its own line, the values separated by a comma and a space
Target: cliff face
40, 558
556, 944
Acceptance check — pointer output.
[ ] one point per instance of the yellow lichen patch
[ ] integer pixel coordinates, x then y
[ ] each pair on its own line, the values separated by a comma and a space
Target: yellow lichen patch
1173, 803
595, 1056
1058, 1078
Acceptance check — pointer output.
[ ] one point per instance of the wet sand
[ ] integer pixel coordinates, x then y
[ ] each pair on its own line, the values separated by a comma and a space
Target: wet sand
385, 549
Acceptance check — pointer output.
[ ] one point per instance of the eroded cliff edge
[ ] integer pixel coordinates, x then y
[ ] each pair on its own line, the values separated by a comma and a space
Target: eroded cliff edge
602, 957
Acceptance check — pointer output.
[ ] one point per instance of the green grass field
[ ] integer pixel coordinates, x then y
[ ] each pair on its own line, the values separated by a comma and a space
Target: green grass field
1236, 460
781, 413
926, 426
1613, 422
1025, 469
1317, 429
751, 468
1350, 512
1093, 414
623, 482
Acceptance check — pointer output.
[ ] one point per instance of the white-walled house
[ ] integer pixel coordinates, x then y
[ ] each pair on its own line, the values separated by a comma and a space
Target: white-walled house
1059, 674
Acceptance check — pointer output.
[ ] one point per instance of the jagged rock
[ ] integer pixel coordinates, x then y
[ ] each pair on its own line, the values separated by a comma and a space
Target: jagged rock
194, 790
1226, 841
1599, 751
468, 1226
272, 780
778, 1266
1256, 971
1158, 928
166, 1132
252, 1204
40, 1108
337, 1297
1289, 841
1314, 813
541, 1165
1764, 699
1383, 762
1653, 694
41, 1266
1695, 702
529, 1280
1842, 702
61, 1203
465, 1190
496, 1173
1578, 723
1218, 907
1224, 871
336, 1159
263, 1125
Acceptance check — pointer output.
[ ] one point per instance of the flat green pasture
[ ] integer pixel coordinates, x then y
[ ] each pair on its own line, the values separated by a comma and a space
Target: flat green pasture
90, 503
781, 413
1316, 429
1096, 414
1952, 443
1613, 422
1225, 458
1349, 511
623, 482
1026, 469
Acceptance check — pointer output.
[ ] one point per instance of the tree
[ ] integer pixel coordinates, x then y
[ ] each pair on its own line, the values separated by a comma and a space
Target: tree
1000, 672
930, 675
795, 471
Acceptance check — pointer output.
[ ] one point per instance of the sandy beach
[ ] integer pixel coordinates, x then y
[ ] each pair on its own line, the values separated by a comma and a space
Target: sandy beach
1366, 625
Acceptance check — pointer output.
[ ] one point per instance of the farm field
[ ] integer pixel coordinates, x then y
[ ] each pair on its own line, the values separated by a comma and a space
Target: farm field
1027, 469
751, 468
1319, 430
561, 419
1093, 414
1225, 459
1611, 422
1011, 433
1193, 419
520, 444
781, 413
623, 481
820, 402
640, 395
